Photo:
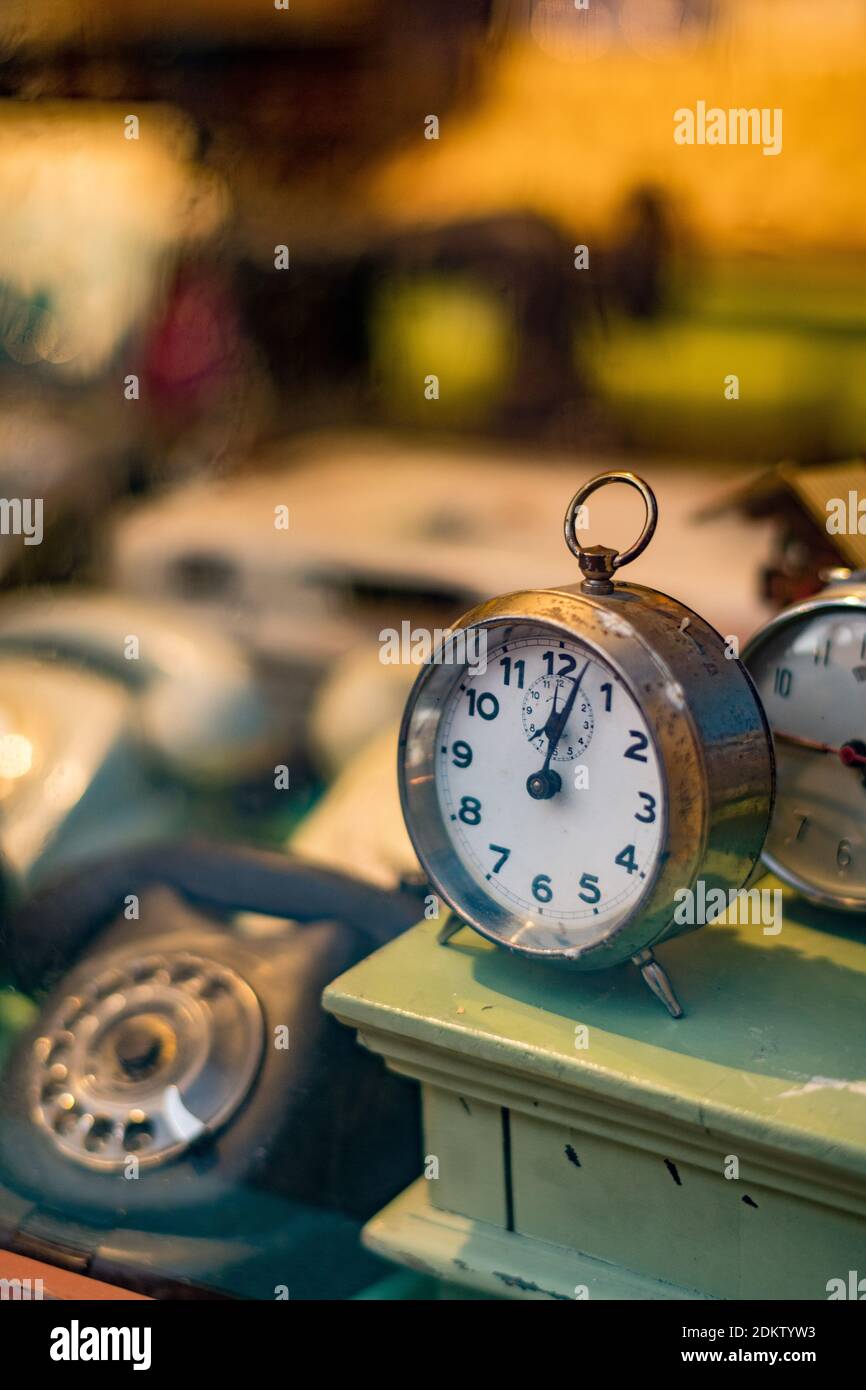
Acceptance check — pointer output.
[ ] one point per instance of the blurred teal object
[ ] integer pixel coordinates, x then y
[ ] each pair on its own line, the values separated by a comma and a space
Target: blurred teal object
402, 1285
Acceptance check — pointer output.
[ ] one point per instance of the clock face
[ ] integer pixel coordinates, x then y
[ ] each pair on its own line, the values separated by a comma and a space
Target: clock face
550, 790
811, 676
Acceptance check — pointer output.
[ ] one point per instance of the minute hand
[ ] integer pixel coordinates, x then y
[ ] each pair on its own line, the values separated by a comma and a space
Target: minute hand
557, 727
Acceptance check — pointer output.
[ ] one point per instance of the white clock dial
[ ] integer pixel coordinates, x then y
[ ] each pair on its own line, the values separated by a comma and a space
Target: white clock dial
811, 676
558, 817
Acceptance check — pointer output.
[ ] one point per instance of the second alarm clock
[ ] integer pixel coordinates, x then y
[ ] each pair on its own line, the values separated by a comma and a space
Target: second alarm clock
809, 664
606, 755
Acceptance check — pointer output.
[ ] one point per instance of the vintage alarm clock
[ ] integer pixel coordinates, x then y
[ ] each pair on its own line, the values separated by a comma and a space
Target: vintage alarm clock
571, 759
809, 664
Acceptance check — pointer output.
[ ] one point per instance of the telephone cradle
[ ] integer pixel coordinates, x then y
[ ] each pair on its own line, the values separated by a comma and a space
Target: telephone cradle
579, 1143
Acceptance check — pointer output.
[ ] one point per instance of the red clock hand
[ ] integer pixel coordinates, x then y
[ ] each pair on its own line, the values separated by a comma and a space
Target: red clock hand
846, 754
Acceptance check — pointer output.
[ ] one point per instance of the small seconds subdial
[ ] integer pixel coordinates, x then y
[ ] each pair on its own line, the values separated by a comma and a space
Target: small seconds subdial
545, 697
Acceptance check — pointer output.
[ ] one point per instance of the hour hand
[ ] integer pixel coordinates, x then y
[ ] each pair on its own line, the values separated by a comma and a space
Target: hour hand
546, 783
850, 754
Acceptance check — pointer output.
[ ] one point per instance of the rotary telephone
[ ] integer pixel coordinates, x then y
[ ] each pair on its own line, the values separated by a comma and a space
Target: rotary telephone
182, 1118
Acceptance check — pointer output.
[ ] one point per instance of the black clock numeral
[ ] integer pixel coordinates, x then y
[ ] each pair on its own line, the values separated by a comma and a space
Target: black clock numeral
626, 859
608, 696
843, 854
636, 750
650, 809
485, 704
470, 810
461, 753
782, 682
519, 667
591, 891
503, 855
822, 653
541, 889
566, 663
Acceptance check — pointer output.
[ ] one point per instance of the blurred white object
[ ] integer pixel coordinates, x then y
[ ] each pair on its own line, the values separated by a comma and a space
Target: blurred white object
358, 824
99, 749
360, 697
78, 783
197, 706
380, 532
92, 204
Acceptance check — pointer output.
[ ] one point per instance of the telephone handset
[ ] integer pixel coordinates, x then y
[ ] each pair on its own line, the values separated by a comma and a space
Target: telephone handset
109, 709
198, 705
183, 1112
51, 928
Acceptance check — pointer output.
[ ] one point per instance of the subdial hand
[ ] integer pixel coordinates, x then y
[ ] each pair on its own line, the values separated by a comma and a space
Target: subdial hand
546, 783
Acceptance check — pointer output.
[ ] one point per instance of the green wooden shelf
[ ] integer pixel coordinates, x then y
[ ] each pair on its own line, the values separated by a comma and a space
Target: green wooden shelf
618, 1150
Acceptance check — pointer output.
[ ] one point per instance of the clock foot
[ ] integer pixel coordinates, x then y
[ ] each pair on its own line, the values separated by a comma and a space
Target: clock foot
655, 977
451, 928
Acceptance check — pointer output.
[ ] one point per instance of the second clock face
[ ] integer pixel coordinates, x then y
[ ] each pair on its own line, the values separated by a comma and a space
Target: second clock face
811, 676
550, 790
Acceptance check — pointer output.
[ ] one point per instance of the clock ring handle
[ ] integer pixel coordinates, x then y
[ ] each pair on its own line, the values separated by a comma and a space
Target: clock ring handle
598, 562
